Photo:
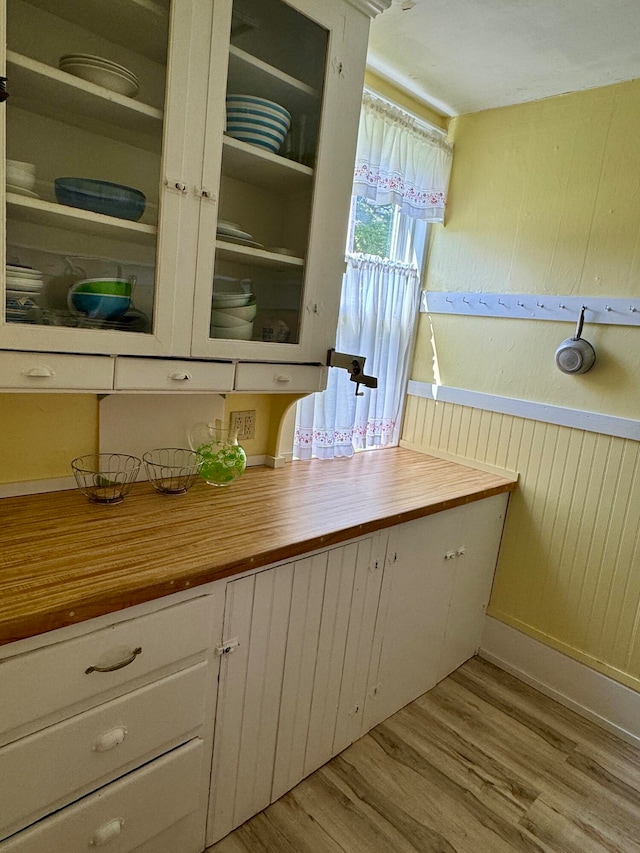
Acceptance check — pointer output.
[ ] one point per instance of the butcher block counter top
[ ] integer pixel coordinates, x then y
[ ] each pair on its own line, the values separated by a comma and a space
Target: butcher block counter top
64, 560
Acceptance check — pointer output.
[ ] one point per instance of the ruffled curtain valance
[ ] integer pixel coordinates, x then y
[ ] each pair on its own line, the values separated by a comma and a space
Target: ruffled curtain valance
400, 161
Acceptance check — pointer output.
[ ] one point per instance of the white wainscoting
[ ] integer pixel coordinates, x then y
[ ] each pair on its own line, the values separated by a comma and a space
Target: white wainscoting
575, 418
585, 691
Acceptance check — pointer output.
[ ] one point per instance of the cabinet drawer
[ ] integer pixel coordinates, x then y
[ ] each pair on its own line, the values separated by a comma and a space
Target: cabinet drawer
87, 751
123, 815
47, 681
148, 374
288, 378
37, 371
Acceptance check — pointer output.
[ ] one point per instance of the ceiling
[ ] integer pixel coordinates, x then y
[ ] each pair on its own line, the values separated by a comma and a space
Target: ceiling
462, 56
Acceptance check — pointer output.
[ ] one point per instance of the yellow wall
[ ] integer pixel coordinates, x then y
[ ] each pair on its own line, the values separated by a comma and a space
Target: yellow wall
544, 199
403, 99
41, 433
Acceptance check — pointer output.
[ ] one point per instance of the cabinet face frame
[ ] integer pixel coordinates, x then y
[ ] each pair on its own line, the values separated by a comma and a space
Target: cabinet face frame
192, 156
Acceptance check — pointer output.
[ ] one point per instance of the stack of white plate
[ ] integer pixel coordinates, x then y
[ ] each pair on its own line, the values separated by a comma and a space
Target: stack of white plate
232, 233
21, 178
101, 71
257, 121
23, 286
232, 315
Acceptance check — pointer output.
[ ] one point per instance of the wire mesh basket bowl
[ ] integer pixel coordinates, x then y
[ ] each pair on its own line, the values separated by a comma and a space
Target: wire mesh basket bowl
172, 470
106, 478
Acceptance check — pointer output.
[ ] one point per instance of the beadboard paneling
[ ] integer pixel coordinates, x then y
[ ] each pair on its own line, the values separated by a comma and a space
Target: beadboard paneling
568, 572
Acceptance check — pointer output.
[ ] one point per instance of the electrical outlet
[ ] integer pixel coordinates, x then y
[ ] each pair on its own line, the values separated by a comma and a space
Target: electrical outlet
244, 423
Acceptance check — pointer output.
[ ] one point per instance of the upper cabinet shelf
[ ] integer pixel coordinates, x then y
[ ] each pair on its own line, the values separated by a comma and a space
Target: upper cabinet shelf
53, 93
249, 163
248, 75
147, 22
41, 212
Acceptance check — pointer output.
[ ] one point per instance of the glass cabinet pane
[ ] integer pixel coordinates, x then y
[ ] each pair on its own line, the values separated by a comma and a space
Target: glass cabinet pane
84, 130
277, 63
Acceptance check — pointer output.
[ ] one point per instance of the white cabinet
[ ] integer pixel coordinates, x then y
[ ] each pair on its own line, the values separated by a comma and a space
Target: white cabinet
107, 735
164, 727
294, 681
437, 582
318, 651
168, 140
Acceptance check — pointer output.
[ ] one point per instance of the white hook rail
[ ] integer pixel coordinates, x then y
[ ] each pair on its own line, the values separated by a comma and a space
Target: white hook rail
529, 306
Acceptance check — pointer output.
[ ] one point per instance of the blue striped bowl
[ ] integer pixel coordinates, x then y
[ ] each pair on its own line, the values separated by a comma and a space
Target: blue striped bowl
257, 121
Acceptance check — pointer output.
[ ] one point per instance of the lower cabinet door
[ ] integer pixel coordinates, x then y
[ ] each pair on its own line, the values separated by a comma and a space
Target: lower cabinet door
293, 685
126, 815
482, 523
414, 604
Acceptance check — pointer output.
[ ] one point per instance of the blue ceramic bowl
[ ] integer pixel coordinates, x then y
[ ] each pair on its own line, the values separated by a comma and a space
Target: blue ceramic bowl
99, 306
100, 197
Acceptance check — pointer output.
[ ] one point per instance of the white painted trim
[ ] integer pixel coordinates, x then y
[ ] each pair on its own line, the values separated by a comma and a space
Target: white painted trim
598, 698
575, 418
370, 7
36, 487
611, 311
59, 484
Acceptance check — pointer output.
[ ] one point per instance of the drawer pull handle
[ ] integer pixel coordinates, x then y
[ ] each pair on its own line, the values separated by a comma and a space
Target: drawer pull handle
180, 377
107, 832
39, 372
282, 377
109, 740
134, 654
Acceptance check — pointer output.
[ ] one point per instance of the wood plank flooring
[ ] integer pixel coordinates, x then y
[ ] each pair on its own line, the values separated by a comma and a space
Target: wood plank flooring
480, 764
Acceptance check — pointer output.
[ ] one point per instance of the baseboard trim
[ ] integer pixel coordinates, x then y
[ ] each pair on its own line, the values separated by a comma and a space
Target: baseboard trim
598, 698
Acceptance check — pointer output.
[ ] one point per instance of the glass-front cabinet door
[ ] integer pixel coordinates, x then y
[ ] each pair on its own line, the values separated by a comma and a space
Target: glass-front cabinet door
178, 175
92, 224
271, 241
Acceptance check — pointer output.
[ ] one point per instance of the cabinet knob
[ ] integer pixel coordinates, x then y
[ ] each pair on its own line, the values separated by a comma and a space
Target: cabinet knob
109, 740
180, 376
282, 378
41, 371
107, 832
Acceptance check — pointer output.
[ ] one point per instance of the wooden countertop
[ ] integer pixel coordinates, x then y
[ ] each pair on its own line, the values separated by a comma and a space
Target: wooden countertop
64, 560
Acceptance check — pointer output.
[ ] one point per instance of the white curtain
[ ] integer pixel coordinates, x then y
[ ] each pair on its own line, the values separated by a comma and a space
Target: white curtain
377, 313
399, 160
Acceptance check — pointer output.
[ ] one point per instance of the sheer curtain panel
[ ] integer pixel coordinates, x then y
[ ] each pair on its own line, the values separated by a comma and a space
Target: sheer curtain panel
401, 161
377, 313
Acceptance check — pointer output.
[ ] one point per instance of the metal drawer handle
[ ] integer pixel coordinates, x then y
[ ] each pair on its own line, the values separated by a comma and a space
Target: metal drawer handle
109, 740
107, 832
283, 378
121, 665
180, 377
40, 371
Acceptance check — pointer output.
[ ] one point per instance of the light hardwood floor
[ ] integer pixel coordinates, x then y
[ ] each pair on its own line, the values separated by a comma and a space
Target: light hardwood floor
480, 764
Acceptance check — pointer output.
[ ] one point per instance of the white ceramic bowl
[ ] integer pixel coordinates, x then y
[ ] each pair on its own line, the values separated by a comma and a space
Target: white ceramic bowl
242, 333
242, 312
230, 299
224, 320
